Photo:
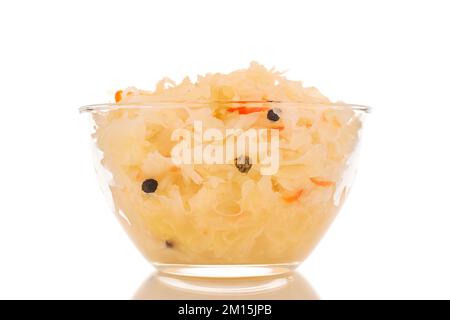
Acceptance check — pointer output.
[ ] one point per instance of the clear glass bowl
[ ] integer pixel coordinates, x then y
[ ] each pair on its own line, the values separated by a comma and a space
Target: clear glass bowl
226, 189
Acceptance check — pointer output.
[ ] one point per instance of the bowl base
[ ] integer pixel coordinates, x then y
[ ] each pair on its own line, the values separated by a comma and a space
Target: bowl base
227, 271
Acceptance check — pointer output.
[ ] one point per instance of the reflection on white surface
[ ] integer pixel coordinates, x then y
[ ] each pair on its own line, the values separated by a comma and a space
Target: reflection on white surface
159, 286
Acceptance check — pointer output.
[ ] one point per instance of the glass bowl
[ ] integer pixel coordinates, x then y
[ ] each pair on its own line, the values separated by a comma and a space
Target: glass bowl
226, 189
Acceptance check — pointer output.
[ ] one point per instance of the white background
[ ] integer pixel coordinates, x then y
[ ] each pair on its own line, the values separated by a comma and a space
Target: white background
57, 236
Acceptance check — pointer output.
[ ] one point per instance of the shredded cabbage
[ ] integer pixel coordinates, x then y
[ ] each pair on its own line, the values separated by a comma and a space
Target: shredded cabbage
214, 214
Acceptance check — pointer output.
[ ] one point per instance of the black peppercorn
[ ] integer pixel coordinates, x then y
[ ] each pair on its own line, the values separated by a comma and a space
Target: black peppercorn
243, 164
149, 185
272, 116
168, 243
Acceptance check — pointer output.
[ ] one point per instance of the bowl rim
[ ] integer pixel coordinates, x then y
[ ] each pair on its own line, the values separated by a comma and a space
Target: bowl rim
241, 103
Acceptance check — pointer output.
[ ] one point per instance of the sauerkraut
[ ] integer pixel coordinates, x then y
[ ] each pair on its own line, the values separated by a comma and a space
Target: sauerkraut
227, 213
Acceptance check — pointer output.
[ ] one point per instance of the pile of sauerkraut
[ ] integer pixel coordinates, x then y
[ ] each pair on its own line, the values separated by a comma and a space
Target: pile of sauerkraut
218, 214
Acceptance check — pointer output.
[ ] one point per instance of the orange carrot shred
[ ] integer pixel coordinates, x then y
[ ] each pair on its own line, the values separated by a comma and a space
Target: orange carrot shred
294, 196
118, 95
247, 110
321, 183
